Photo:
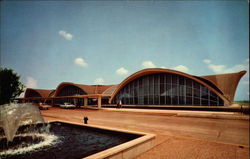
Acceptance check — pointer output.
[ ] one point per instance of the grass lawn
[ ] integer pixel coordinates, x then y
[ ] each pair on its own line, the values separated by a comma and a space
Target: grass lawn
244, 102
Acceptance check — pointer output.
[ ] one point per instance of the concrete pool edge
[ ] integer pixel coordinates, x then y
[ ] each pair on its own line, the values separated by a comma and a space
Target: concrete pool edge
126, 150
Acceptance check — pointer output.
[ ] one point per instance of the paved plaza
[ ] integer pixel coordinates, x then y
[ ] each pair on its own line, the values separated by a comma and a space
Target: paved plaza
179, 134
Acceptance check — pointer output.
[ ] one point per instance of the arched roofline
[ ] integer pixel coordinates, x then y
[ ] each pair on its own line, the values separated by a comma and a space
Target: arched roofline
44, 93
210, 83
63, 84
52, 93
161, 70
28, 90
226, 82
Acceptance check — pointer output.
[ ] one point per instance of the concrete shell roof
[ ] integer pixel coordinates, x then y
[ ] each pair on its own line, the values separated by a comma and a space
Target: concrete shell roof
44, 93
88, 89
110, 90
224, 85
52, 93
227, 83
216, 83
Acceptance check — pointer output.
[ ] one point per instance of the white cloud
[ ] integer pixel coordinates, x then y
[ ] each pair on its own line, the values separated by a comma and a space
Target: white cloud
225, 69
148, 64
99, 81
80, 62
66, 35
235, 68
217, 68
181, 68
122, 71
31, 82
207, 61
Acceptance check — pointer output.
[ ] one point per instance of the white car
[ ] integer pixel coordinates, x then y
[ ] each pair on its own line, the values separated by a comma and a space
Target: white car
67, 105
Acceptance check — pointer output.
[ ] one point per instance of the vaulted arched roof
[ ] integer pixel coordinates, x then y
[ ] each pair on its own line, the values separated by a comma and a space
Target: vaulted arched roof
109, 91
148, 71
227, 83
44, 93
84, 88
88, 89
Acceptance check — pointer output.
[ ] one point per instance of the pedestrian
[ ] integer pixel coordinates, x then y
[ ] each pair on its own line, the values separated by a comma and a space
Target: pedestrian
120, 103
85, 120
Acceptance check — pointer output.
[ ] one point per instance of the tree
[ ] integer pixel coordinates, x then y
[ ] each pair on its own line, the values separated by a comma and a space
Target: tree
10, 87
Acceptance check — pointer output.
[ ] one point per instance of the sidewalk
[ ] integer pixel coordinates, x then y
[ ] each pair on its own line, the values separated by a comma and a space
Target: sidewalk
177, 137
186, 113
174, 147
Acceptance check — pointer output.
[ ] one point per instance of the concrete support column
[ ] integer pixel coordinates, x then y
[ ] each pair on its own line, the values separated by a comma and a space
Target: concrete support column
99, 102
52, 102
85, 101
75, 101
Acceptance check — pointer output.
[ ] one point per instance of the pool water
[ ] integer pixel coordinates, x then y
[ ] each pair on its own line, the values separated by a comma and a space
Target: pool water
73, 141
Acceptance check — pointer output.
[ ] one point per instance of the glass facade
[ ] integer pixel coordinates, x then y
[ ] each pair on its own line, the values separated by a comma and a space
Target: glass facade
71, 91
167, 89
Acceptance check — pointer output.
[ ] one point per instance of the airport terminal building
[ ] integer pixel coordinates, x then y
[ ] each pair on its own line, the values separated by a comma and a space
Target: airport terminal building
148, 87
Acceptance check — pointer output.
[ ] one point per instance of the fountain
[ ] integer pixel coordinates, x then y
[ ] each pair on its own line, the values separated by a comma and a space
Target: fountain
13, 115
23, 134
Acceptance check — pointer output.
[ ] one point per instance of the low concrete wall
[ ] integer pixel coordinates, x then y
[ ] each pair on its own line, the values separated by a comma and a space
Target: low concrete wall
126, 150
238, 108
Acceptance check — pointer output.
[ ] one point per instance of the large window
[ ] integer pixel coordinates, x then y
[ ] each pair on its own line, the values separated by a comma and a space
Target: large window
167, 89
71, 91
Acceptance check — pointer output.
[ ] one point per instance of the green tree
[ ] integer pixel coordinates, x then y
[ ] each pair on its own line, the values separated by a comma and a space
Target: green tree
10, 87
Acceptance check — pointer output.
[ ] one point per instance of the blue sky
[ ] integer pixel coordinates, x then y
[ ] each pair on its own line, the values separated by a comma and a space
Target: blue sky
94, 42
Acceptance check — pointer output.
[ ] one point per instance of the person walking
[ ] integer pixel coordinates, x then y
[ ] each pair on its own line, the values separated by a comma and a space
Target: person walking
120, 103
